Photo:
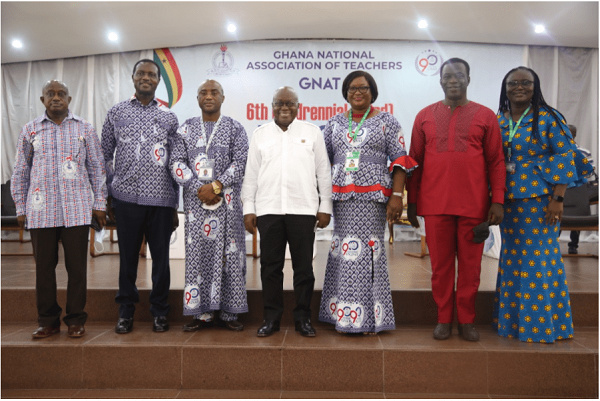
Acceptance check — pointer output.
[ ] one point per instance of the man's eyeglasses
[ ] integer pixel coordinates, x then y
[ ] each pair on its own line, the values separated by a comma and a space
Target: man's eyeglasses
524, 83
360, 89
288, 104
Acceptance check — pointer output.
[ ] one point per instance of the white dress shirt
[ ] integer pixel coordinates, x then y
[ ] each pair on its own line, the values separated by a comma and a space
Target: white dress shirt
287, 172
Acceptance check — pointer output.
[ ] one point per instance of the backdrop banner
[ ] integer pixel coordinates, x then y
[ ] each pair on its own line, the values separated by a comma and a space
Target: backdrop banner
407, 76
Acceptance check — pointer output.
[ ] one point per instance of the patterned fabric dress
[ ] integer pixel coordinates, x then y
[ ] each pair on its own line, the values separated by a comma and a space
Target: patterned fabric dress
532, 299
215, 248
356, 293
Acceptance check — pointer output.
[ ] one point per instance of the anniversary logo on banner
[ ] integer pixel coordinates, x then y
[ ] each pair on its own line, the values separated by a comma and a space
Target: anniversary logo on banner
407, 76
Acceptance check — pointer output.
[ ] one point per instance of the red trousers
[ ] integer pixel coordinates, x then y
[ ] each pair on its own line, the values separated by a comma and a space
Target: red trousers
449, 238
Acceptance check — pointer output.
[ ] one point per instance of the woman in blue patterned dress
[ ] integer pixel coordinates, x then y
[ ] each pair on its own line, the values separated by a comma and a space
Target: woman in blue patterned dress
532, 299
356, 293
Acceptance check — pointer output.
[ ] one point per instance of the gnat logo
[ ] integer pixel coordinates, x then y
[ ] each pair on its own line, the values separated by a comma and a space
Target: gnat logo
347, 314
351, 248
335, 246
191, 297
228, 196
378, 309
222, 62
361, 135
159, 154
210, 227
428, 62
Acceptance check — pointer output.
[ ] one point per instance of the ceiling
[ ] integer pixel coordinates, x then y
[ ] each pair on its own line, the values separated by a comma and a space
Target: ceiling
51, 30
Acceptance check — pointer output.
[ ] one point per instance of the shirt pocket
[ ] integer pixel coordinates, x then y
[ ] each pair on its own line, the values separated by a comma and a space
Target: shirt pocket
303, 148
268, 151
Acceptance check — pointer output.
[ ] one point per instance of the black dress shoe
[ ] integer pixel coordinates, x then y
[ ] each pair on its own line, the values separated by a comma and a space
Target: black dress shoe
160, 324
305, 328
124, 325
468, 332
442, 331
198, 324
268, 327
234, 325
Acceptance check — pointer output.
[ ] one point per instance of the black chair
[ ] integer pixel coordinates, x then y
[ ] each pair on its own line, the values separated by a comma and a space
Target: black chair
577, 214
9, 217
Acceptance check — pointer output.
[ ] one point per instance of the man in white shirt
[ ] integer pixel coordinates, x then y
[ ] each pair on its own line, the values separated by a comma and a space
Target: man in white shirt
287, 195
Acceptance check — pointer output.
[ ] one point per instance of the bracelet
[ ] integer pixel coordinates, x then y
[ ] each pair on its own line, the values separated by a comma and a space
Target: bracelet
558, 198
400, 194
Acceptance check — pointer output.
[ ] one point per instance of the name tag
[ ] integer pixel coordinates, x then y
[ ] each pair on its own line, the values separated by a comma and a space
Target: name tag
352, 160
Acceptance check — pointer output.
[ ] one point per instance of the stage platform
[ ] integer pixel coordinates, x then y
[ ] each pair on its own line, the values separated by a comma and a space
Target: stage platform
216, 363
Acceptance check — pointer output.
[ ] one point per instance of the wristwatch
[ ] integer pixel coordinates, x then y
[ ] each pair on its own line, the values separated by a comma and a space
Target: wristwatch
558, 198
216, 188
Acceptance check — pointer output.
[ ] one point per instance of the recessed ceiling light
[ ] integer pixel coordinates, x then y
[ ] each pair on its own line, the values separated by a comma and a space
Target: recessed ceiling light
231, 28
17, 44
540, 29
423, 24
113, 37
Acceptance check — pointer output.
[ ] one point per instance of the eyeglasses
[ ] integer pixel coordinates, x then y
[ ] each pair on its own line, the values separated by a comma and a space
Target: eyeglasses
524, 83
360, 89
279, 104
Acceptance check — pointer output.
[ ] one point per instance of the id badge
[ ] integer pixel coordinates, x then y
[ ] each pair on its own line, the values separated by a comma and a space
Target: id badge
206, 170
352, 160
511, 167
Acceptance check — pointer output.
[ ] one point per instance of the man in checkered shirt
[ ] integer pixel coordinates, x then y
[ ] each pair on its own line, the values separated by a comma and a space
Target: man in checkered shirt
58, 184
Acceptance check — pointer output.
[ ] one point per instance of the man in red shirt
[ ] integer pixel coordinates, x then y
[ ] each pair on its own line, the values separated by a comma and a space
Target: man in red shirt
458, 146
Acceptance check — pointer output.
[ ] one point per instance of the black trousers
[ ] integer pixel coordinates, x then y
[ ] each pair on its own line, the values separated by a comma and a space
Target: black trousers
45, 252
275, 232
574, 243
133, 223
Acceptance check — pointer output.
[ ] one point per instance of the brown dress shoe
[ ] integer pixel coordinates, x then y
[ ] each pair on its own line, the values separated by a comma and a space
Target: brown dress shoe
442, 331
468, 332
76, 330
45, 331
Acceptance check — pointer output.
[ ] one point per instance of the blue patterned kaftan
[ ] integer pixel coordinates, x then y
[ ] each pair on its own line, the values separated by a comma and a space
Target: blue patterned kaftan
215, 248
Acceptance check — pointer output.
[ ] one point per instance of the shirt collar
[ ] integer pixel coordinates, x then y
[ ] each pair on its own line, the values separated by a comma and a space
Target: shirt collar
70, 116
292, 124
153, 101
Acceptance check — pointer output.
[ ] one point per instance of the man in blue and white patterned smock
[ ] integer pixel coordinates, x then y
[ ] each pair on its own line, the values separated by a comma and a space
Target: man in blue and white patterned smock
209, 160
138, 133
58, 184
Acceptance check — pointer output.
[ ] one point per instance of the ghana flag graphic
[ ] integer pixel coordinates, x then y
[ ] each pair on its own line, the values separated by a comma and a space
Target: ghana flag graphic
170, 75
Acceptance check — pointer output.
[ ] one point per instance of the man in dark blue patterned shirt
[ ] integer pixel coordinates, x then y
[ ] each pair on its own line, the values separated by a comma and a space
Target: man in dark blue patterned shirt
138, 135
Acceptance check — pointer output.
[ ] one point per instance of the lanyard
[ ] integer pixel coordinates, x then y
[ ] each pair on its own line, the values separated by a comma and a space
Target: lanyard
513, 130
353, 133
214, 131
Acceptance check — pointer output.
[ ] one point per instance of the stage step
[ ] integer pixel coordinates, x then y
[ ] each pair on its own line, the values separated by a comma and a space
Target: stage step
215, 362
406, 362
410, 306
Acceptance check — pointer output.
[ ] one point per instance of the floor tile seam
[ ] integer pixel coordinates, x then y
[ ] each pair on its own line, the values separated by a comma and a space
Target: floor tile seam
281, 366
325, 347
234, 346
550, 352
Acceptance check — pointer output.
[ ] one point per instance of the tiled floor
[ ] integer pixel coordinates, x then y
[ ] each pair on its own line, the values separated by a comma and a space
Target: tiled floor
405, 272
420, 365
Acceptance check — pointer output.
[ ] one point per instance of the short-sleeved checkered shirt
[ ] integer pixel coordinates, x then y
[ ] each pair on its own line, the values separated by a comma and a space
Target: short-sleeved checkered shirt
58, 177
